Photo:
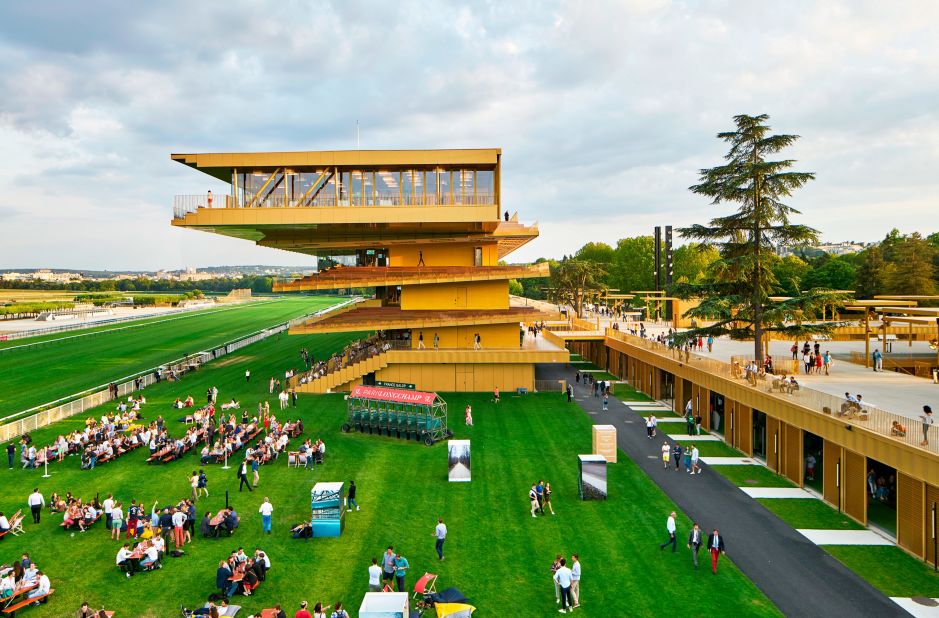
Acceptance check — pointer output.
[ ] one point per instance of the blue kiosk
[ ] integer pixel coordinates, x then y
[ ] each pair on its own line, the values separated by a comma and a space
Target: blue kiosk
326, 502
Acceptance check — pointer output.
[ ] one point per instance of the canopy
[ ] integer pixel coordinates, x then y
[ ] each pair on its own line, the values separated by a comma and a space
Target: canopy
396, 395
454, 610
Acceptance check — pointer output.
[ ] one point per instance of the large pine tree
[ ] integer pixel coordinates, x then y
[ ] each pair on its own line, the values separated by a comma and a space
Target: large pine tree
737, 297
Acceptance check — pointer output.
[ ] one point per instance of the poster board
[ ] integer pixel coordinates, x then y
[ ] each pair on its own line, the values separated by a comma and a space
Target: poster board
458, 459
592, 477
385, 605
604, 442
328, 512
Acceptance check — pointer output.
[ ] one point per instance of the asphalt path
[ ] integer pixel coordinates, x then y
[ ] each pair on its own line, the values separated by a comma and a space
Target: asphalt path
796, 575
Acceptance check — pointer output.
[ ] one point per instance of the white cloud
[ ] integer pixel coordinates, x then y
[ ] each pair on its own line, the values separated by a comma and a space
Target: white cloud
604, 110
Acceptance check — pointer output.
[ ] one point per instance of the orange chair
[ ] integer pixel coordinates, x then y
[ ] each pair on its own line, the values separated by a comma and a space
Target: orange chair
425, 585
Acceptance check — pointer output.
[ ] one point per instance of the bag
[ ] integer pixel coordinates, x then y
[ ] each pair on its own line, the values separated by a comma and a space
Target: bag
176, 553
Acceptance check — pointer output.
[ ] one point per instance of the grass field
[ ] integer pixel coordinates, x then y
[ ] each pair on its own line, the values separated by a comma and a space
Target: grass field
889, 569
809, 513
496, 553
752, 476
33, 376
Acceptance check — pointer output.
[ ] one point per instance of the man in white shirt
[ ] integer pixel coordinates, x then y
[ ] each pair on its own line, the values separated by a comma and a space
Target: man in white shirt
123, 559
108, 505
440, 532
266, 509
179, 523
151, 558
670, 526
562, 577
575, 579
694, 460
36, 502
44, 586
374, 576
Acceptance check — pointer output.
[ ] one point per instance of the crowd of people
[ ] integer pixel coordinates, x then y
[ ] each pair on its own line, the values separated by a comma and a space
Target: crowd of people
21, 576
539, 497
241, 573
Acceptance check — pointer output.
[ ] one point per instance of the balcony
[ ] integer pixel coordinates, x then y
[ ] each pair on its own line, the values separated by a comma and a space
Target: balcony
185, 204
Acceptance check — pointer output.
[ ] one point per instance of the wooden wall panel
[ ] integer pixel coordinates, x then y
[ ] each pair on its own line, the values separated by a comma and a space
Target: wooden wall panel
855, 485
774, 446
910, 509
932, 497
831, 455
793, 455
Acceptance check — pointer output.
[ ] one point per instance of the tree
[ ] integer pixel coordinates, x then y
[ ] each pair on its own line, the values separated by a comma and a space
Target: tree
738, 299
515, 288
633, 264
789, 272
597, 252
914, 268
573, 281
691, 261
873, 274
834, 274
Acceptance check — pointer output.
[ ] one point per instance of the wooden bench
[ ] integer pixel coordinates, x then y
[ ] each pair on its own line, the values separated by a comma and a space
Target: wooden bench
11, 609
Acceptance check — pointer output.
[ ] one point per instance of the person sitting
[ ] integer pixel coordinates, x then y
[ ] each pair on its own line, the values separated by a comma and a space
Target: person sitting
4, 523
43, 587
302, 530
151, 559
222, 576
85, 611
898, 430
249, 580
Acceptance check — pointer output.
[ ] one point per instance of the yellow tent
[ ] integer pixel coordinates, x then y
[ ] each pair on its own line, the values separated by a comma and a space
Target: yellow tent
454, 610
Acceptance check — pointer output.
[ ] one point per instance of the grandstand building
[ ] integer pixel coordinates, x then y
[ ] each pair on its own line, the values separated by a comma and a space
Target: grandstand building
425, 229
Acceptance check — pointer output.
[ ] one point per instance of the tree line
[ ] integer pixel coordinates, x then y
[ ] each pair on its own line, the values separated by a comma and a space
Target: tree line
257, 283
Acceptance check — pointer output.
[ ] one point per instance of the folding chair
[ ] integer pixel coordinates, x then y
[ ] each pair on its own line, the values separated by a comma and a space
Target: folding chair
293, 459
16, 524
425, 585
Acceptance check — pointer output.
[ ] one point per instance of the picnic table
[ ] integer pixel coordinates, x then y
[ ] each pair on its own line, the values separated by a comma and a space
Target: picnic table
12, 602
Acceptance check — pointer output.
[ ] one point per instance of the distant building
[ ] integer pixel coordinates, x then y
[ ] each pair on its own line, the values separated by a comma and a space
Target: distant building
835, 248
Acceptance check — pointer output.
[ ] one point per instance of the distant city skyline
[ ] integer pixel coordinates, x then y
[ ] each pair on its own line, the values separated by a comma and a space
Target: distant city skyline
604, 111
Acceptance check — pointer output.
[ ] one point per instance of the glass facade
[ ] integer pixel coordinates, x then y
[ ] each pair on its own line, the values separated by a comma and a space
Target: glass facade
368, 187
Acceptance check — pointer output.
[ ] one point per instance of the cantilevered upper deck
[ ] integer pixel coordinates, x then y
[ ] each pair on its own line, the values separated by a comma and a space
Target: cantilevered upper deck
321, 202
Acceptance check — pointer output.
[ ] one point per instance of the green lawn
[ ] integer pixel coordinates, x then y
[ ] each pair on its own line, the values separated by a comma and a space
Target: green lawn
676, 428
752, 476
717, 449
809, 513
583, 365
34, 376
889, 569
882, 515
603, 375
496, 553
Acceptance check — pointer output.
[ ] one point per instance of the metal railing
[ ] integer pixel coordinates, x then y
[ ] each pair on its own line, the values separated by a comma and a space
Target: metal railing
185, 204
865, 417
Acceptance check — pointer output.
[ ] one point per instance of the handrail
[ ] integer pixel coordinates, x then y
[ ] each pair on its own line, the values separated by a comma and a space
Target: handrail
185, 204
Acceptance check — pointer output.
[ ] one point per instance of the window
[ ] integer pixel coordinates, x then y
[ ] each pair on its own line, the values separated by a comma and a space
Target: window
443, 178
485, 190
387, 188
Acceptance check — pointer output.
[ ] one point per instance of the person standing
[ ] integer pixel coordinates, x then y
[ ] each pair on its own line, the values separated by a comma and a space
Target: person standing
401, 569
716, 547
266, 510
677, 452
256, 470
194, 485
495, 395
350, 500
36, 502
468, 416
710, 343
388, 564
436, 341
694, 543
243, 476
539, 493
117, 520
810, 467
689, 423
107, 506
440, 533
547, 498
649, 427
672, 529
179, 524
826, 361
666, 451
293, 397
606, 401
477, 342
374, 576
562, 577
11, 454
203, 483
928, 421
533, 500
247, 375
570, 397
420, 341
575, 579
554, 569
695, 469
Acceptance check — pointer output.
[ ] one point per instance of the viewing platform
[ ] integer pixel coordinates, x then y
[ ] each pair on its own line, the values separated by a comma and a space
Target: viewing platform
375, 276
390, 318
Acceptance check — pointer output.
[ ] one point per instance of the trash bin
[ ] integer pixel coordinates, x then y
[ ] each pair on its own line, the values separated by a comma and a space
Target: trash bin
935, 376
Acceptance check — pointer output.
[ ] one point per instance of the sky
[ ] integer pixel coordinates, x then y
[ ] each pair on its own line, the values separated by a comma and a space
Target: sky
605, 111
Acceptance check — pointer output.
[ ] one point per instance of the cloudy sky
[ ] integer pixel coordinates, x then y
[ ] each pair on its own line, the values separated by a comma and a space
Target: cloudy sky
604, 110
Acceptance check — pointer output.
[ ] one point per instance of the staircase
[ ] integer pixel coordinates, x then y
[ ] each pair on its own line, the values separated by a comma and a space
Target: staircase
338, 377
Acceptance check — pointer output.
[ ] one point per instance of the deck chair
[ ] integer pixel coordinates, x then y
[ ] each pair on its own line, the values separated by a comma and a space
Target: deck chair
293, 459
16, 523
425, 585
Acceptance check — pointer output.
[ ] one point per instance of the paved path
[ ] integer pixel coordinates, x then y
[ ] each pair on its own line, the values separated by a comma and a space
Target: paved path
778, 492
798, 576
844, 537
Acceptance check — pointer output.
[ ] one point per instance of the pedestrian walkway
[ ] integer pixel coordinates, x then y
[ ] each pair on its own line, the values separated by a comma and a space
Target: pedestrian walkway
777, 492
920, 607
686, 438
844, 537
730, 461
670, 419
796, 575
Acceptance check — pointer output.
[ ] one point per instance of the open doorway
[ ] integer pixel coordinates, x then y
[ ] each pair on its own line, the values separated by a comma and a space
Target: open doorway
812, 450
759, 435
717, 413
882, 496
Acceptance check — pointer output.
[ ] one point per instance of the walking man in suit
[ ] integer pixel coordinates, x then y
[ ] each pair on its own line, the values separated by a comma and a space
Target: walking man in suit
716, 547
243, 476
670, 526
694, 543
